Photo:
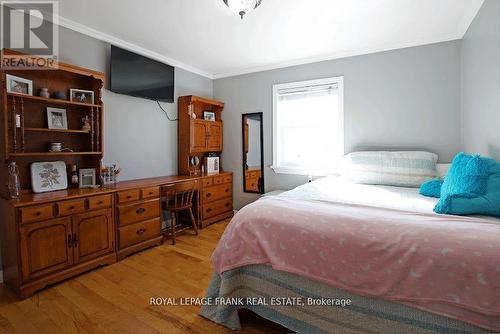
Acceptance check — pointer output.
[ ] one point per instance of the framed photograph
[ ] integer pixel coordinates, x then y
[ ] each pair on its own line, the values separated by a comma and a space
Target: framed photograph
18, 85
86, 178
82, 96
209, 116
212, 165
57, 118
48, 176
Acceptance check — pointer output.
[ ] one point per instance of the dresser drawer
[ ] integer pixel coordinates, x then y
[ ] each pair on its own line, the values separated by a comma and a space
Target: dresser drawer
71, 207
216, 208
136, 233
133, 213
217, 192
207, 181
218, 180
128, 196
100, 202
227, 178
152, 192
36, 213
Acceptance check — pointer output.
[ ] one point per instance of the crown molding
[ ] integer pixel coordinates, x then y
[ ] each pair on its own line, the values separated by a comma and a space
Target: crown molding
338, 55
64, 22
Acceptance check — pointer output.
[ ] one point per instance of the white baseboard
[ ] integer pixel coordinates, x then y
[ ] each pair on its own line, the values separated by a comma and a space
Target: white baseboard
1, 276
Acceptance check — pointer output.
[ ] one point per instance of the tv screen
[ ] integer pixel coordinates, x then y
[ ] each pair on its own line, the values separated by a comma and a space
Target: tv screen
136, 75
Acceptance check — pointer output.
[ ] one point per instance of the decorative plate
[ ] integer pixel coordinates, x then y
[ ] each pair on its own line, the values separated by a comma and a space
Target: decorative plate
48, 176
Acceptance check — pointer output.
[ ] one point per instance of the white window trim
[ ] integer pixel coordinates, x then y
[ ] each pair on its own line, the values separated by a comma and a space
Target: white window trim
302, 171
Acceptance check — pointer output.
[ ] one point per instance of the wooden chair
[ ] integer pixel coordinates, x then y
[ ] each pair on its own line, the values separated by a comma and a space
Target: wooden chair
176, 200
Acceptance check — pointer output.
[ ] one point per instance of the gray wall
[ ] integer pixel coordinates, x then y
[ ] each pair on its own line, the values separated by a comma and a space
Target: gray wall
138, 135
481, 82
409, 97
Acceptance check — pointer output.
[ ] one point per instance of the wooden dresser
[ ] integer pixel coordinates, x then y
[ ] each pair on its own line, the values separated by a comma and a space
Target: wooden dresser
216, 198
44, 242
138, 218
49, 237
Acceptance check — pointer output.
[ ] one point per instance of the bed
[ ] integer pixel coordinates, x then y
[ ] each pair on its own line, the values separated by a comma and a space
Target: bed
404, 268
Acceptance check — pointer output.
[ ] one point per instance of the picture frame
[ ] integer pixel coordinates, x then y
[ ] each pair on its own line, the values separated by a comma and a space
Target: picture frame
209, 116
212, 165
81, 96
86, 178
48, 176
18, 85
57, 119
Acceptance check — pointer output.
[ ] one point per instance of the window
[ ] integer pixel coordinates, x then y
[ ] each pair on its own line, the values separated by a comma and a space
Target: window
308, 134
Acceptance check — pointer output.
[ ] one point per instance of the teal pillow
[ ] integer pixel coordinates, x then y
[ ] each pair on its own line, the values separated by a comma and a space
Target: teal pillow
487, 203
431, 188
466, 177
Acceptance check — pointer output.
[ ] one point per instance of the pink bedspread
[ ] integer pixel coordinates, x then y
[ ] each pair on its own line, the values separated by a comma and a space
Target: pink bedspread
448, 265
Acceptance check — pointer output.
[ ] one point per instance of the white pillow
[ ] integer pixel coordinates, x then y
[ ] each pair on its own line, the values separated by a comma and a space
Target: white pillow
442, 170
403, 168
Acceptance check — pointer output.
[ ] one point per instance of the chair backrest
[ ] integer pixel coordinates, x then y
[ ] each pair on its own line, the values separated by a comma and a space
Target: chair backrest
180, 197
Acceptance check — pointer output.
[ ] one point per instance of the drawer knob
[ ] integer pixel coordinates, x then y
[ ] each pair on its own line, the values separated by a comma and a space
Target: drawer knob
209, 195
141, 231
227, 190
72, 207
140, 211
99, 203
38, 213
209, 210
227, 204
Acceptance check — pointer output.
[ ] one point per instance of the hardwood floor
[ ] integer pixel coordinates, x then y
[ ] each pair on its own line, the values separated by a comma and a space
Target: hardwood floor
115, 299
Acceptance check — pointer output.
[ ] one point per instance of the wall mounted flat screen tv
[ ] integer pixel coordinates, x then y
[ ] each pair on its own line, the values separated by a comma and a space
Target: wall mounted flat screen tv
136, 75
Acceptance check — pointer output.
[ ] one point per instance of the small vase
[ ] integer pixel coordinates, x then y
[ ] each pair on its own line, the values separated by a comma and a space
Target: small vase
14, 184
44, 92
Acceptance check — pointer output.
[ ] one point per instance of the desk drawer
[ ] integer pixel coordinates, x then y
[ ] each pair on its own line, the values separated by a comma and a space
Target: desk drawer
135, 233
36, 213
100, 202
152, 192
133, 213
128, 196
217, 192
67, 208
216, 208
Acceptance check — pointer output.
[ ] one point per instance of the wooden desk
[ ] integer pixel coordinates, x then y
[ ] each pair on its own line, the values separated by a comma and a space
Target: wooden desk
52, 236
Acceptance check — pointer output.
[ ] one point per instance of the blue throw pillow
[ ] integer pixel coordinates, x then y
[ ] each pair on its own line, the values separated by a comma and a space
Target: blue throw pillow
431, 188
487, 203
466, 177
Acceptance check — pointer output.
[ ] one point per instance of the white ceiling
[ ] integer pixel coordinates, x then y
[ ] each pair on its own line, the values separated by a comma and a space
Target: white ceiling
205, 37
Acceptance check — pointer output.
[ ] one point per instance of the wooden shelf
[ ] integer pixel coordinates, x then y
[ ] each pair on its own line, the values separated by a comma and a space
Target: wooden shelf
55, 130
50, 101
51, 154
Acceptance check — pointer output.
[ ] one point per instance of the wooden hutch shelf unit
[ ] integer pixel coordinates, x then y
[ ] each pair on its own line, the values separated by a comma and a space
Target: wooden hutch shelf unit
197, 138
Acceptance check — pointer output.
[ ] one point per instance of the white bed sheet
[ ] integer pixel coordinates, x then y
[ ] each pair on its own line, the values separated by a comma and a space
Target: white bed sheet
341, 190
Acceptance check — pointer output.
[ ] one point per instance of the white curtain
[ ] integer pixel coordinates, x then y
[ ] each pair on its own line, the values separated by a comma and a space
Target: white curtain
309, 129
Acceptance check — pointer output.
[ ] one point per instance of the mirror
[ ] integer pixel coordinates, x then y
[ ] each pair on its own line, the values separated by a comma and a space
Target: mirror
253, 153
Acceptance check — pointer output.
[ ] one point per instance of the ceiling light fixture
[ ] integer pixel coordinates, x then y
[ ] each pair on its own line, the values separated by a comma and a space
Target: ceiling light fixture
241, 7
